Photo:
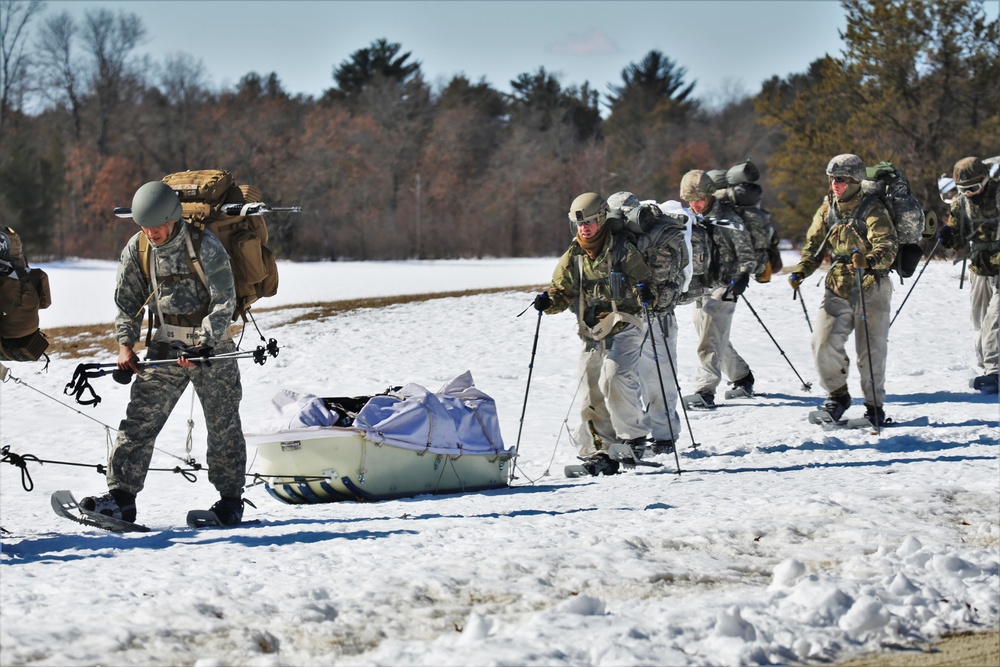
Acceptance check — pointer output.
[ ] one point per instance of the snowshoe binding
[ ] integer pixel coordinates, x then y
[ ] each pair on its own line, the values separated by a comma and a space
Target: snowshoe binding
875, 416
662, 447
831, 411
742, 388
105, 511
599, 464
225, 513
700, 401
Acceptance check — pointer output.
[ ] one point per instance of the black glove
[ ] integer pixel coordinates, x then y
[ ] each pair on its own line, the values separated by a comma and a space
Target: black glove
542, 302
796, 280
739, 284
947, 236
645, 294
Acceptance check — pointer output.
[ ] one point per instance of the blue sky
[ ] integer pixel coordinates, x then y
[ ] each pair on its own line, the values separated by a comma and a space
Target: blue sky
722, 44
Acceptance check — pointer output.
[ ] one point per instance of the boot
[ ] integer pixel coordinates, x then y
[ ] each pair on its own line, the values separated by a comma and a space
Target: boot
663, 447
987, 384
876, 415
601, 464
229, 510
837, 406
638, 447
745, 384
116, 504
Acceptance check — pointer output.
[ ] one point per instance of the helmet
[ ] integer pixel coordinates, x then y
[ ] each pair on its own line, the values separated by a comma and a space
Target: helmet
155, 204
847, 164
696, 186
588, 206
970, 175
623, 200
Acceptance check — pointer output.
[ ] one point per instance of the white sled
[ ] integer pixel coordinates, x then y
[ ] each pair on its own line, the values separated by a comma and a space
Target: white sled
403, 443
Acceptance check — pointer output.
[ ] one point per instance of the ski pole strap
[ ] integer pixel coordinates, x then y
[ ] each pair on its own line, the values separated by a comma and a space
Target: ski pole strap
80, 383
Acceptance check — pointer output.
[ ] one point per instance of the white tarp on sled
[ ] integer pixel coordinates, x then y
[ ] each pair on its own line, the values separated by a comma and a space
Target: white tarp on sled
398, 444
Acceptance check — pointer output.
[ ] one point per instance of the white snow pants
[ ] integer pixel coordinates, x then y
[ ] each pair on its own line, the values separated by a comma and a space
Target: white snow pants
713, 319
664, 422
837, 319
985, 311
612, 401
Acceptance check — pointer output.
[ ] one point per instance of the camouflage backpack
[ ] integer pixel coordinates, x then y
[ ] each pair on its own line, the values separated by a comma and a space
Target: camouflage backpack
207, 198
744, 194
23, 292
886, 184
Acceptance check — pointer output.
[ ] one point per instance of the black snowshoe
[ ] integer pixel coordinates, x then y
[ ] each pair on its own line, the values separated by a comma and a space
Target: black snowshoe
226, 513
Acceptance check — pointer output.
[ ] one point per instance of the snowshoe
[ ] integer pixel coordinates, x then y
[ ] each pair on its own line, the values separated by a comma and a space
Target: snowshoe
987, 384
700, 401
831, 411
742, 388
876, 416
65, 505
115, 504
601, 464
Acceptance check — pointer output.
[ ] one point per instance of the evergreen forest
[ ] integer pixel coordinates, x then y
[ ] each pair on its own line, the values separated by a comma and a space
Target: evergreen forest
386, 166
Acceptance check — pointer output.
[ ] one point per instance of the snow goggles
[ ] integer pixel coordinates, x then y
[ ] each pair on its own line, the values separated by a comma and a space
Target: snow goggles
841, 179
973, 189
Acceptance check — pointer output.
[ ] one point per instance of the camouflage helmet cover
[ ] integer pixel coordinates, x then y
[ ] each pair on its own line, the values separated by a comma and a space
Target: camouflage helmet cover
155, 204
847, 164
623, 200
696, 186
970, 171
588, 206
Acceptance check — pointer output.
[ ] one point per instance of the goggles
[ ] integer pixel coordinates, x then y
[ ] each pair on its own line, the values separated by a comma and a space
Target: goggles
841, 179
973, 189
587, 221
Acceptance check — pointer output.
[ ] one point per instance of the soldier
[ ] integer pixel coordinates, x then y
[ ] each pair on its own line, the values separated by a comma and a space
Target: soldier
599, 279
973, 224
193, 311
858, 233
665, 252
727, 279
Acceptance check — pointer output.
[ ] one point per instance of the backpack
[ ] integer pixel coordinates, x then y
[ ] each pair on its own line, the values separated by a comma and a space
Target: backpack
23, 292
695, 242
886, 184
206, 197
744, 194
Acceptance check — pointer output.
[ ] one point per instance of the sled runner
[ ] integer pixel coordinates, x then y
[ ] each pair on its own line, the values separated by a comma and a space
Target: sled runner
405, 442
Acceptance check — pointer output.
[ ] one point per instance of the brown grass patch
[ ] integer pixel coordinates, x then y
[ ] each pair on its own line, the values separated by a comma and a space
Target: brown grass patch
91, 340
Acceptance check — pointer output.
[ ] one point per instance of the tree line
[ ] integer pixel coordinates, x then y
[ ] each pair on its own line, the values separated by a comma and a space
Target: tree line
385, 166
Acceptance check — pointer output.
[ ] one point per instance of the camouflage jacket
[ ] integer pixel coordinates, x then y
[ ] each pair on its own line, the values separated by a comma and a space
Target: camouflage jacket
181, 295
977, 225
837, 229
567, 287
666, 254
732, 244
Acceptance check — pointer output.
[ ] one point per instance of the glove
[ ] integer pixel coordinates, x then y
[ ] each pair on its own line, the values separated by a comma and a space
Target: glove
859, 260
739, 284
198, 352
795, 280
542, 302
645, 294
947, 236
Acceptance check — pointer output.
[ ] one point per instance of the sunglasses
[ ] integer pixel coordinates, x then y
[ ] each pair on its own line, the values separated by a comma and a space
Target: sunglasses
841, 179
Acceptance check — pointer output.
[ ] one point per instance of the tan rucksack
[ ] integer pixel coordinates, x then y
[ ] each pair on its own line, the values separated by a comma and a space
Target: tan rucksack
208, 196
23, 292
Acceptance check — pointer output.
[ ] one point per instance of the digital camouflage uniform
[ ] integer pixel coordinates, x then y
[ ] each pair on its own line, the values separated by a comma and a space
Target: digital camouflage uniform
714, 309
836, 231
612, 404
182, 299
975, 220
666, 254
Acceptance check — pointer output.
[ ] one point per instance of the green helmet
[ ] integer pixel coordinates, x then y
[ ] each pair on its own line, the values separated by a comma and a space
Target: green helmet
155, 204
696, 185
847, 164
588, 206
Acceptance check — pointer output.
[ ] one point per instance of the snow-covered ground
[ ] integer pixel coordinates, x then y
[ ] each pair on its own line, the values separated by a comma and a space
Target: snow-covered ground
777, 543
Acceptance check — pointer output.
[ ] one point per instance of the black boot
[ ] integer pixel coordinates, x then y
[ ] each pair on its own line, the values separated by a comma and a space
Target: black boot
601, 464
876, 415
837, 406
116, 504
745, 383
229, 510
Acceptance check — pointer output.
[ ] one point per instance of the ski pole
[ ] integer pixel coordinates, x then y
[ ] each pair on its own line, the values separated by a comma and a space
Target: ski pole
663, 390
677, 383
868, 343
806, 386
797, 295
926, 262
531, 366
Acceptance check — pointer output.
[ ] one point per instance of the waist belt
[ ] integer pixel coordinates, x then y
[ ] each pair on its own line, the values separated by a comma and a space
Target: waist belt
166, 333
